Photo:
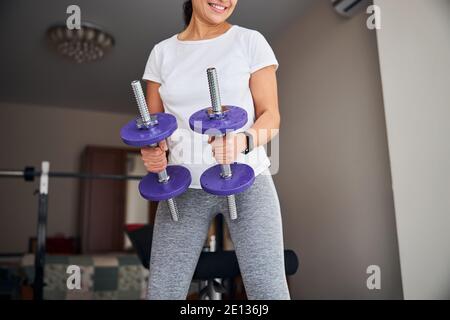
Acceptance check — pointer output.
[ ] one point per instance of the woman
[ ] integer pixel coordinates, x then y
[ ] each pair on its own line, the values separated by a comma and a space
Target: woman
177, 84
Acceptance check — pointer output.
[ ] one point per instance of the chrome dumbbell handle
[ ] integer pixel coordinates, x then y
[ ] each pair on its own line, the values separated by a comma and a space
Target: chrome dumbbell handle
148, 121
216, 104
163, 177
144, 109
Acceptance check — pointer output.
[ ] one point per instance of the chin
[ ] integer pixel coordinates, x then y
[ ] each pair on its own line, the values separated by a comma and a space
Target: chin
216, 20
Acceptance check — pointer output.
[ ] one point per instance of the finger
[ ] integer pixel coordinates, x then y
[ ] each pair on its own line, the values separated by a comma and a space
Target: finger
231, 151
220, 156
155, 161
157, 152
160, 162
153, 157
219, 149
162, 165
219, 153
153, 151
145, 151
218, 141
156, 167
155, 170
163, 145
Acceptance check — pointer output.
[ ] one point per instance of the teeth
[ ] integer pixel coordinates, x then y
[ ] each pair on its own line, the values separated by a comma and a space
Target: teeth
217, 6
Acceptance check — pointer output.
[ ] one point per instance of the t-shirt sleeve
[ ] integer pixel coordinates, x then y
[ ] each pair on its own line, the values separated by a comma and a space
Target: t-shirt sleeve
152, 68
261, 53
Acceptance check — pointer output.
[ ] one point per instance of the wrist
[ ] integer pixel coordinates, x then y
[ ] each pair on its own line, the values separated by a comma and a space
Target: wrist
241, 142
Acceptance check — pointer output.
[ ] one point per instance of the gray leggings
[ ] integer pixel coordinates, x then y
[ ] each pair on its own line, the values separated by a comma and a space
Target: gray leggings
256, 234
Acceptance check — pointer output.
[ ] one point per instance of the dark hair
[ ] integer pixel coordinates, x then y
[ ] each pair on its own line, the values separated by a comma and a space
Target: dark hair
187, 12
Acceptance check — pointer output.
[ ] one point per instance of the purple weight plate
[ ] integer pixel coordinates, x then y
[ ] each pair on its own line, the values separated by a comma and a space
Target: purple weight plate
242, 178
151, 189
234, 118
133, 136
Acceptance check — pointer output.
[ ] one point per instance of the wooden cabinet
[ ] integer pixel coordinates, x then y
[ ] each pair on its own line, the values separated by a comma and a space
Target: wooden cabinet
102, 203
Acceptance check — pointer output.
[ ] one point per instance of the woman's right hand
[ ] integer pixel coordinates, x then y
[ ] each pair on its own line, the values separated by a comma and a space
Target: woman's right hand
154, 158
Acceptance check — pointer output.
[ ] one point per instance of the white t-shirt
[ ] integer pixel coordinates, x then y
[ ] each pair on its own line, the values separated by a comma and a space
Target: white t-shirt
180, 67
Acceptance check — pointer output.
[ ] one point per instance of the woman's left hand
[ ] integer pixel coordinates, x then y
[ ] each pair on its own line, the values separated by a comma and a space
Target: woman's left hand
226, 149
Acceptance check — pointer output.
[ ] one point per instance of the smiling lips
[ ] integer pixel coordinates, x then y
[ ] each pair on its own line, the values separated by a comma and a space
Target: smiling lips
217, 7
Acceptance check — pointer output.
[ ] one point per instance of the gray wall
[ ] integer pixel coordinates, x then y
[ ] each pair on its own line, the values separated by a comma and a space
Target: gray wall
29, 135
334, 181
415, 68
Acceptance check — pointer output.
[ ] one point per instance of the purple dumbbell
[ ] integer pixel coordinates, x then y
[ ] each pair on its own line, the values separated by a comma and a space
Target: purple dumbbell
222, 180
149, 130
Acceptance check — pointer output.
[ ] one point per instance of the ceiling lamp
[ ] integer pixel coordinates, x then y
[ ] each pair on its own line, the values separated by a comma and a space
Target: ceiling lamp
89, 43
